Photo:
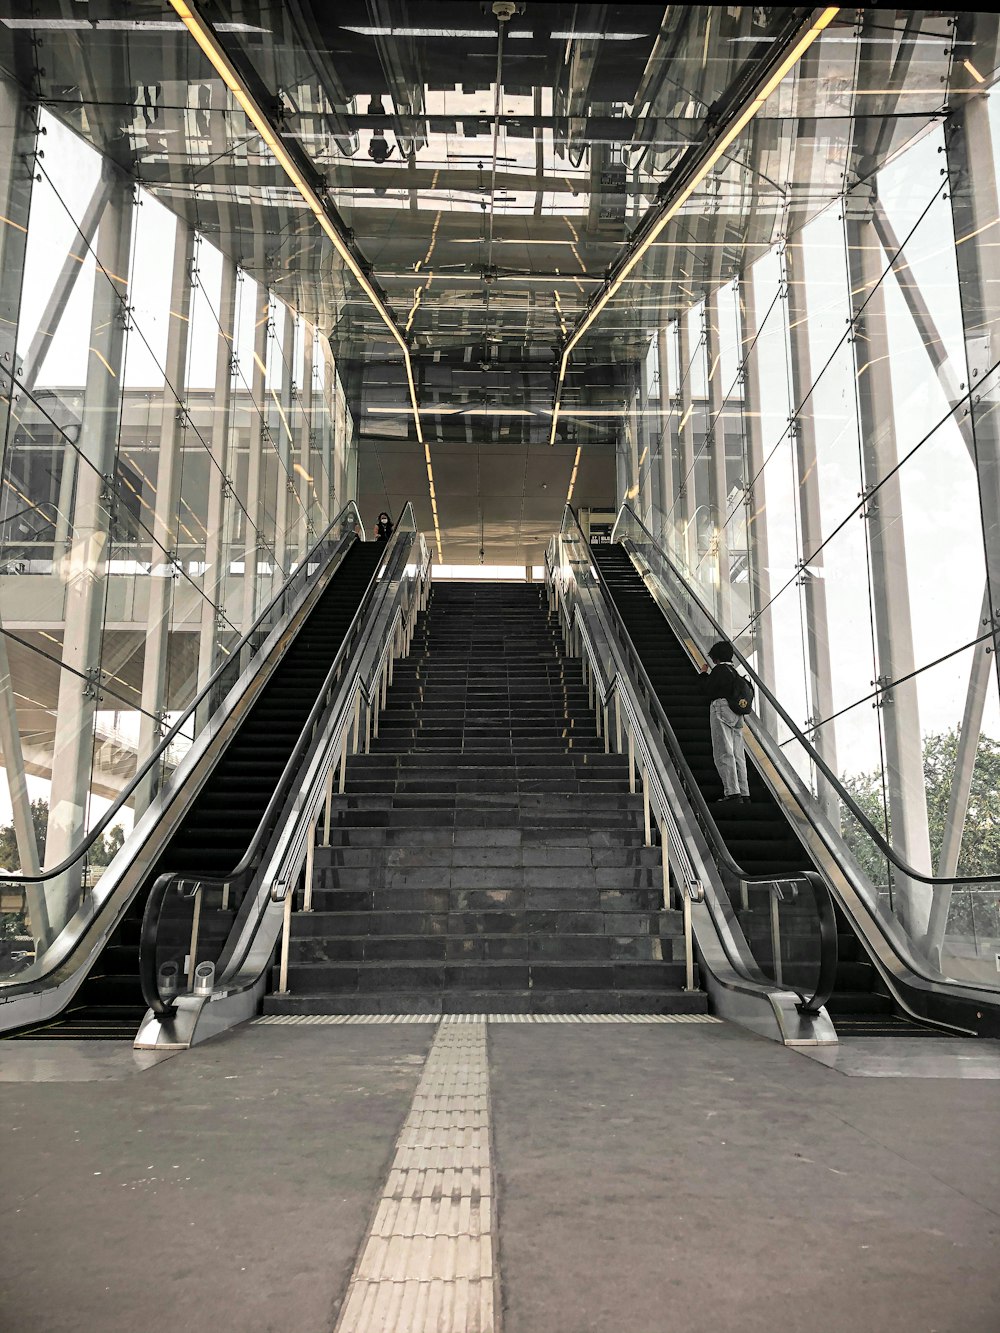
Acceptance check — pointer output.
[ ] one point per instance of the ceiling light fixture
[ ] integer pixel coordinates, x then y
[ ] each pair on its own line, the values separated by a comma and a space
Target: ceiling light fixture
599, 36
673, 207
204, 35
572, 478
472, 34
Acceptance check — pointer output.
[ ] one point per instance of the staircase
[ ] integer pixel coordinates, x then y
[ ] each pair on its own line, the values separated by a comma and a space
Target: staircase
487, 856
757, 836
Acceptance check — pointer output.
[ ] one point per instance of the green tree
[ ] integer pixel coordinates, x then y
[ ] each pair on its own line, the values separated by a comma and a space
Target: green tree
106, 847
10, 857
103, 850
980, 851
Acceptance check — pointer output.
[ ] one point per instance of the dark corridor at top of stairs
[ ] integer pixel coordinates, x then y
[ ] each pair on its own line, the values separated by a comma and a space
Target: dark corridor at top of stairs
487, 855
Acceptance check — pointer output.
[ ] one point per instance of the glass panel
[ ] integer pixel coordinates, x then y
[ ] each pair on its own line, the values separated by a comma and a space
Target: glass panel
114, 484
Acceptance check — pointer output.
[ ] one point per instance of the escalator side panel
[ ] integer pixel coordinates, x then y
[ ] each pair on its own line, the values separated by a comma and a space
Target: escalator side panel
757, 836
215, 833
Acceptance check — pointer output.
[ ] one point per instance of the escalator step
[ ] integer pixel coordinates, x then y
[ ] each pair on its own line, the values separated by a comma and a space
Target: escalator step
213, 837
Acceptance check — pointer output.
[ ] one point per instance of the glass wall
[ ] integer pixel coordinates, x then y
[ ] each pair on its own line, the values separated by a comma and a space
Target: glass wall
174, 440
859, 507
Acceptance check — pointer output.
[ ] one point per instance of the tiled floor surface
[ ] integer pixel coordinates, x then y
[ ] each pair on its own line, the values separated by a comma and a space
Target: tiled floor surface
484, 1175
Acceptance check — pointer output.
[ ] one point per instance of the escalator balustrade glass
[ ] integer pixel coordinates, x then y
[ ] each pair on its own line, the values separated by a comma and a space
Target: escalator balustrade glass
216, 829
946, 927
775, 917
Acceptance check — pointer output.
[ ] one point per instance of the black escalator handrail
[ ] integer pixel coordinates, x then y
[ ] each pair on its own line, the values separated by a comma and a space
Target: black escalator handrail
843, 794
721, 853
825, 913
829, 946
147, 943
228, 962
241, 876
277, 801
126, 794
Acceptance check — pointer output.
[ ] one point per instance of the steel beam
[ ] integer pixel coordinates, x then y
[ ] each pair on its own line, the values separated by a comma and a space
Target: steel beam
715, 444
975, 202
665, 449
55, 306
162, 571
686, 499
812, 573
84, 567
890, 583
756, 499
253, 543
218, 549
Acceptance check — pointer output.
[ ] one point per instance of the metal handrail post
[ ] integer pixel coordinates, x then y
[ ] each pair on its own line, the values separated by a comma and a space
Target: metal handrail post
307, 888
193, 945
286, 941
328, 811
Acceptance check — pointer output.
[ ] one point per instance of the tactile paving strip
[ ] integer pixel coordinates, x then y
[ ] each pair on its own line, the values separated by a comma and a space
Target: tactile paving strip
330, 1020
429, 1262
322, 1020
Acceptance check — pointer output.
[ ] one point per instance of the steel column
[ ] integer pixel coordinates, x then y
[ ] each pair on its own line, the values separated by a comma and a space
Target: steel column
255, 443
756, 500
18, 130
975, 203
84, 567
218, 551
715, 443
162, 571
18, 135
890, 584
810, 518
308, 463
687, 546
666, 496
13, 763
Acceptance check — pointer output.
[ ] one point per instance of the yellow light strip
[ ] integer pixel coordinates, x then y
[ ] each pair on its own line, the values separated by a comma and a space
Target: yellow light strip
572, 479
222, 65
735, 129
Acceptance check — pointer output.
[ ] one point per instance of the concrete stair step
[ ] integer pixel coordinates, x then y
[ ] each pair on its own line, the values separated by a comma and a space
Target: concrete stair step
329, 924
413, 976
497, 947
533, 1001
463, 899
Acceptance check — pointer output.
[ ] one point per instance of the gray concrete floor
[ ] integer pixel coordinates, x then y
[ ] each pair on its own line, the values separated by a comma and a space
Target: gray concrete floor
226, 1189
650, 1178
704, 1179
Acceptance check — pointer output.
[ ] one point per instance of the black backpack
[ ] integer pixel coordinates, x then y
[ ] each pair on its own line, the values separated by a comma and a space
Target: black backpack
740, 696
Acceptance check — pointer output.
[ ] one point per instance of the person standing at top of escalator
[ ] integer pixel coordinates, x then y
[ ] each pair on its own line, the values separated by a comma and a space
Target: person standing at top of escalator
728, 751
384, 530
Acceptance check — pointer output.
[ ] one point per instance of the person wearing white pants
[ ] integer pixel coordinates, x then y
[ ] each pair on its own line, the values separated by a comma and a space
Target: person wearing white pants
728, 749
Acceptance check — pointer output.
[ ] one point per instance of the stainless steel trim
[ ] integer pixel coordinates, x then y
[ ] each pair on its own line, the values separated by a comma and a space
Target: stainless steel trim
36, 995
734, 982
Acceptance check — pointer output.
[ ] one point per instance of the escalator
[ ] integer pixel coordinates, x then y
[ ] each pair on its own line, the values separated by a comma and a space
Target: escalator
757, 836
218, 828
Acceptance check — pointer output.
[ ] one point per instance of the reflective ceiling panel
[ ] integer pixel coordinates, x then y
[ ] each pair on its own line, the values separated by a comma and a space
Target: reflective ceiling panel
492, 175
